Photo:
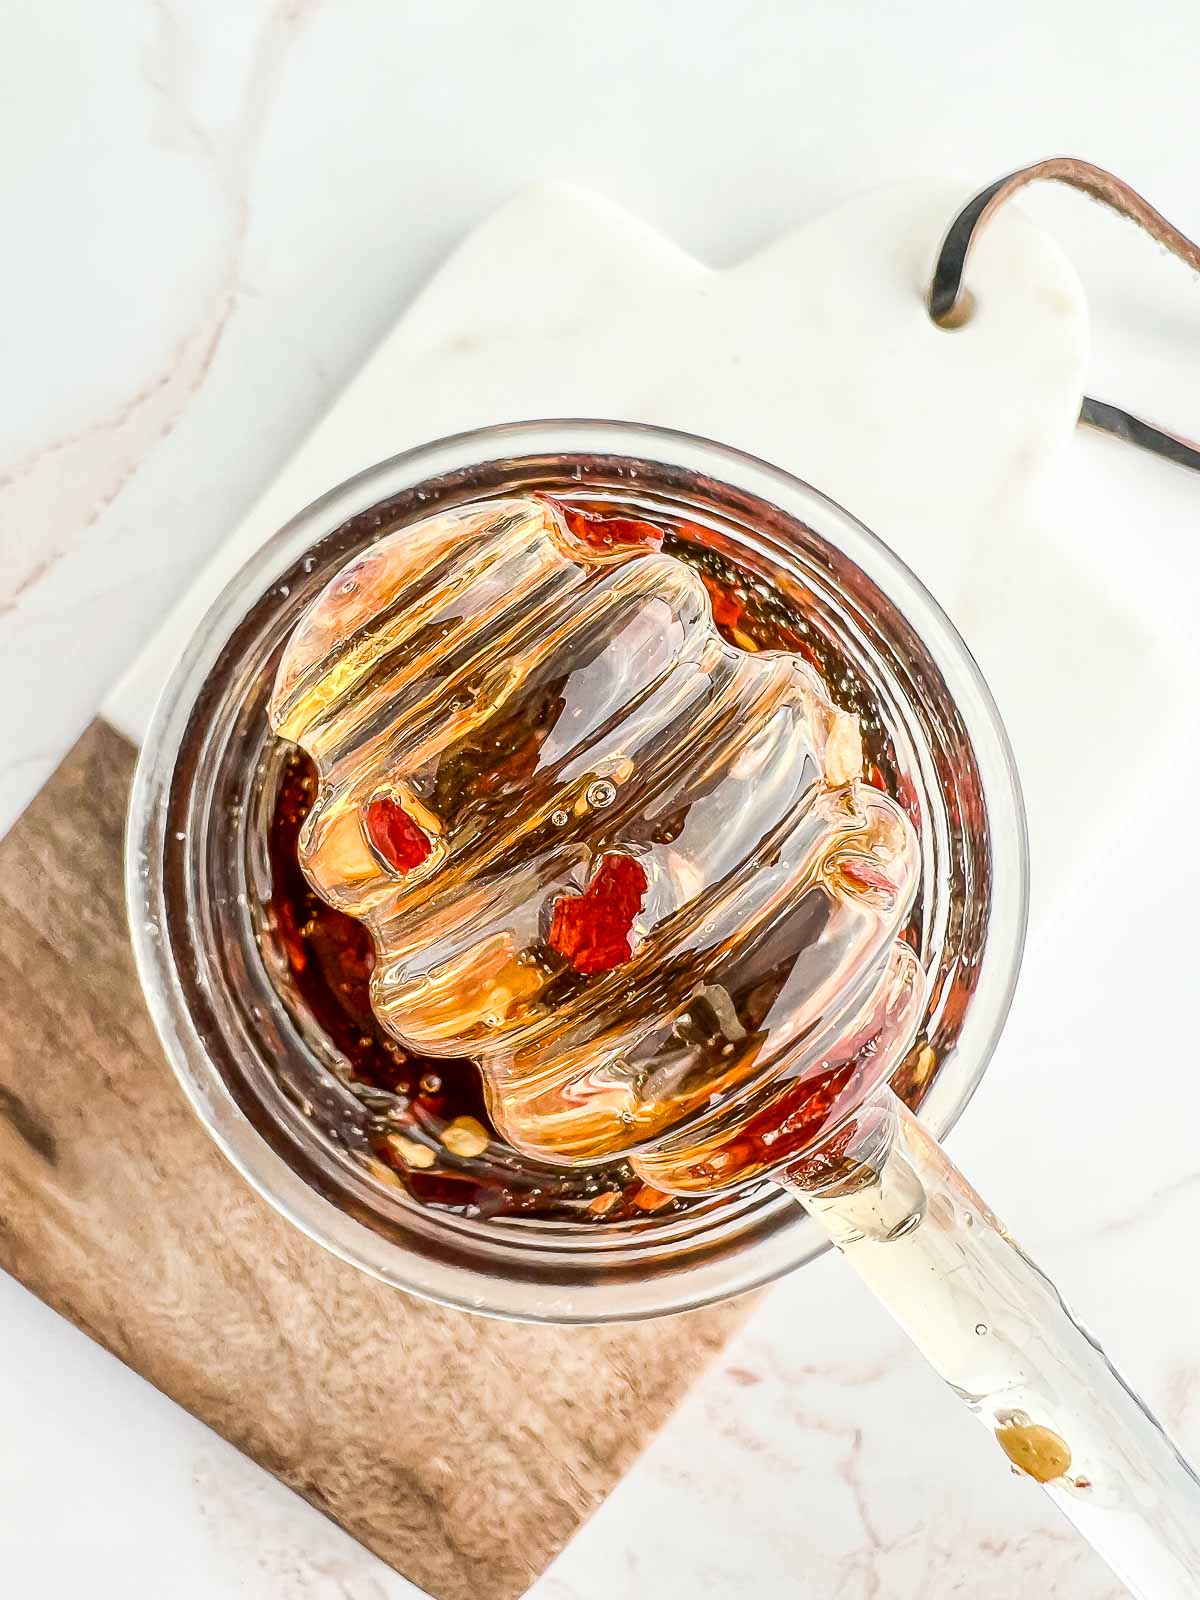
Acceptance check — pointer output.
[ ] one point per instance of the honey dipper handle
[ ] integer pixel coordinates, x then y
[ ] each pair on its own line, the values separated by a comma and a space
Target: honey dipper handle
998, 1331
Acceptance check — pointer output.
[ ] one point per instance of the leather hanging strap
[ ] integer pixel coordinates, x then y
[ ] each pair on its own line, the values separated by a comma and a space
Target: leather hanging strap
950, 303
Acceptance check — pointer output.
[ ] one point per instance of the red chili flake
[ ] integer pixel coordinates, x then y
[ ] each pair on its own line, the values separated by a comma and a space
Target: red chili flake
603, 533
591, 930
727, 612
289, 933
906, 794
401, 843
864, 874
873, 776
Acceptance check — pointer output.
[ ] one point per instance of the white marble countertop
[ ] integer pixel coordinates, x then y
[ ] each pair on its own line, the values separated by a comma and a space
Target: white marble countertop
214, 211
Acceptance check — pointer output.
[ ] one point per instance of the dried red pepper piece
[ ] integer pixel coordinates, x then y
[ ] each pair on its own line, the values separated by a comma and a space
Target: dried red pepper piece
603, 533
289, 933
873, 776
863, 874
591, 930
728, 613
401, 843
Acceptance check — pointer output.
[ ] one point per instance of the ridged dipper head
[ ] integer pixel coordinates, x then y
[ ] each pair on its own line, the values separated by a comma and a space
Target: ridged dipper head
628, 867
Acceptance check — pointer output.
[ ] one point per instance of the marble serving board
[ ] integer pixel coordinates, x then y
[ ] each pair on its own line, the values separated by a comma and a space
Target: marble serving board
816, 353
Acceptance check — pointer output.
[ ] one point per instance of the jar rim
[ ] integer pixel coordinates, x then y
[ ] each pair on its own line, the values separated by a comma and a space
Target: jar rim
619, 1296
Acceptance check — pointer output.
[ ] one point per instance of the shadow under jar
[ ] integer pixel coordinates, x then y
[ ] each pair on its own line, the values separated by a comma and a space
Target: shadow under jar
257, 990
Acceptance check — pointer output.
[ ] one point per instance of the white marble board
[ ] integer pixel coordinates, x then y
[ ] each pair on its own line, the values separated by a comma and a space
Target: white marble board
816, 353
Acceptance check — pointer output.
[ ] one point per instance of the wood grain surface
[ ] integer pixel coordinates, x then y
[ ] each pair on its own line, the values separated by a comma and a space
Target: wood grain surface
464, 1452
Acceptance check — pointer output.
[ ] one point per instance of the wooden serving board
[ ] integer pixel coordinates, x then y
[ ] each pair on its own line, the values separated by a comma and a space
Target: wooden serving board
463, 1451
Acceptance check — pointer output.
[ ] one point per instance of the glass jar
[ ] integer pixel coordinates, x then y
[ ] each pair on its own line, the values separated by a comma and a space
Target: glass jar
251, 1064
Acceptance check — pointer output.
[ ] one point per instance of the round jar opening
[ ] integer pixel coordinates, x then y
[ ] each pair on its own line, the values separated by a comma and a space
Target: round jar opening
277, 1084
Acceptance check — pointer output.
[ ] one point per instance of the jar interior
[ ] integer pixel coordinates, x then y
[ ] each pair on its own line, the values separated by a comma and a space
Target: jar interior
775, 582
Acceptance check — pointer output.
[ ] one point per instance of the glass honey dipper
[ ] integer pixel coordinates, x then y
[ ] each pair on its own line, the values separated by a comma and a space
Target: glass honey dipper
639, 877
